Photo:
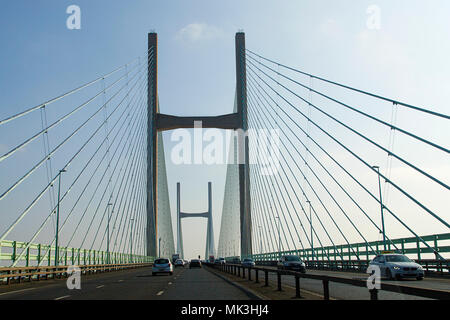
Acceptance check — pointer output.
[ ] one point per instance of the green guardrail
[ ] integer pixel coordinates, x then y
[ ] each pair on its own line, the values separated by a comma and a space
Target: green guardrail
361, 251
38, 254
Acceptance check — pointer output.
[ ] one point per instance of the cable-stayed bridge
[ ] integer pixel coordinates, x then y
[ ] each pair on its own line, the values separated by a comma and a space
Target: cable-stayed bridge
315, 167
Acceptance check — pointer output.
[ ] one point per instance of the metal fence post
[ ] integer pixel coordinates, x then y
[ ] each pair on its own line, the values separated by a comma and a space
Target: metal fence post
279, 281
326, 290
297, 287
249, 274
373, 294
256, 276
266, 278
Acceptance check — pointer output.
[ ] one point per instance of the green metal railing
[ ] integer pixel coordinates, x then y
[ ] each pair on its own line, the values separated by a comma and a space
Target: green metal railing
361, 251
37, 254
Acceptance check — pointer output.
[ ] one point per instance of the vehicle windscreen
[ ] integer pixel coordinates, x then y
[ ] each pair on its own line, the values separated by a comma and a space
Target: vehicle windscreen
248, 260
397, 258
161, 261
292, 258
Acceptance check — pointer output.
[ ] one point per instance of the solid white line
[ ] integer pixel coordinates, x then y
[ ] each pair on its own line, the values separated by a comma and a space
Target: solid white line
61, 297
160, 293
120, 280
170, 283
100, 286
1, 294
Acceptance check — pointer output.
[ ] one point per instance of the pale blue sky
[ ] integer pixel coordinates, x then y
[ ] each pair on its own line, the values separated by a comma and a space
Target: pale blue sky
407, 59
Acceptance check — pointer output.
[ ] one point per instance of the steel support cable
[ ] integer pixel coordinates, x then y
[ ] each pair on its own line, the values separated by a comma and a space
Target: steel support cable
115, 184
264, 205
301, 224
120, 203
362, 160
298, 200
20, 114
55, 123
258, 183
284, 201
351, 129
106, 208
320, 181
257, 209
119, 210
315, 193
356, 156
126, 190
133, 169
257, 235
391, 126
356, 90
131, 214
312, 154
96, 211
142, 220
258, 205
18, 182
90, 178
281, 209
126, 146
24, 213
66, 193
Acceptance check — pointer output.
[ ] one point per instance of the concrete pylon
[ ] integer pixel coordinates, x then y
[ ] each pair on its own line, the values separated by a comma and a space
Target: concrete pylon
210, 250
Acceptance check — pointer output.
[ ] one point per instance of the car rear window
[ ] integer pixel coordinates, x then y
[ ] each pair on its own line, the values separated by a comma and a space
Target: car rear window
161, 261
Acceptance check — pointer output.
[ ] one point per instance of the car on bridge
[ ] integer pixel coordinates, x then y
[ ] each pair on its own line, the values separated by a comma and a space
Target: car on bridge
195, 263
291, 262
247, 262
162, 265
179, 263
397, 266
220, 261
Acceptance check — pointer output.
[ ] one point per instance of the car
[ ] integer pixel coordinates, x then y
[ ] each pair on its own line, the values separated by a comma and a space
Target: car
235, 261
162, 265
247, 262
179, 263
397, 266
185, 262
195, 263
222, 260
291, 262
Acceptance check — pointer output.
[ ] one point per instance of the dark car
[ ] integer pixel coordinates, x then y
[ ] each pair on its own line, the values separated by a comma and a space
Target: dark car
291, 262
195, 263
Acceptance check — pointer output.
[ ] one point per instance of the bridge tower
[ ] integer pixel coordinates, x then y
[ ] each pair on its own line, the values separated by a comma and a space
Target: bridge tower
209, 233
236, 121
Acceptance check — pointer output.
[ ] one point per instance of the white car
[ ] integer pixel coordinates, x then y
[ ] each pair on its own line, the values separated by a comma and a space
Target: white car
179, 263
162, 265
397, 266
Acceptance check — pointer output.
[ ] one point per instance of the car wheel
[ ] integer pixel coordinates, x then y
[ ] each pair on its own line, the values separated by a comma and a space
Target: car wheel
419, 278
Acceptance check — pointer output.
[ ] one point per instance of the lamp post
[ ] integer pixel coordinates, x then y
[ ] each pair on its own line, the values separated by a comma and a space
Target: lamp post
311, 227
107, 242
57, 218
381, 205
131, 241
279, 238
159, 247
260, 240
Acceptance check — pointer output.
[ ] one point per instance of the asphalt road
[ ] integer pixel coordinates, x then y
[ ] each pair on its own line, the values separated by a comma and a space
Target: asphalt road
347, 292
136, 284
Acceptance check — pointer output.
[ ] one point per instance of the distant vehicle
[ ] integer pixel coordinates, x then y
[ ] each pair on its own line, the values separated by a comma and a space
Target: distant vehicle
291, 262
179, 263
235, 261
247, 262
175, 257
397, 266
211, 259
162, 265
185, 262
221, 260
195, 263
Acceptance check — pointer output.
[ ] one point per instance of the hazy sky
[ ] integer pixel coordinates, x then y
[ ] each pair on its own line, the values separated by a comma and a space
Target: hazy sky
406, 59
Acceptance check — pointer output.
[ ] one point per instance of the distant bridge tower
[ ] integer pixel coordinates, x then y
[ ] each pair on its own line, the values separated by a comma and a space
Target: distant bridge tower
209, 233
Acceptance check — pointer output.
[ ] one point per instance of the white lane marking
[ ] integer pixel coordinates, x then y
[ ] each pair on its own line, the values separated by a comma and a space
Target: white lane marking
170, 283
160, 293
17, 291
100, 286
120, 280
61, 297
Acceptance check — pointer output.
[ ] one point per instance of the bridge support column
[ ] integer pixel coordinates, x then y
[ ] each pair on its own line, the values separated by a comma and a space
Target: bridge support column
152, 145
244, 175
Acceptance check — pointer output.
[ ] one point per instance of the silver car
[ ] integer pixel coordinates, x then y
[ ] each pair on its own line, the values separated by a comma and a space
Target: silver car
397, 266
291, 262
247, 262
162, 265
